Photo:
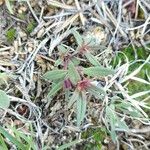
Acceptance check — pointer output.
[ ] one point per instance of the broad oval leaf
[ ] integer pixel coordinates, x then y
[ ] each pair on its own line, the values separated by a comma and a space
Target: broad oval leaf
55, 74
81, 108
97, 71
4, 100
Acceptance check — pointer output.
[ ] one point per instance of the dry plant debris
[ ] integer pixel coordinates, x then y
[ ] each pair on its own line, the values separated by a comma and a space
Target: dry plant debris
75, 74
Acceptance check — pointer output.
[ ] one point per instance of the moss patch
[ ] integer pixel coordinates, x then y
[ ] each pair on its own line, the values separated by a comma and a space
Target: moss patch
11, 34
30, 27
98, 135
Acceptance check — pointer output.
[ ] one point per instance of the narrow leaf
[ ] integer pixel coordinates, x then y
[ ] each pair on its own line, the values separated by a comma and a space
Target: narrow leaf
65, 146
78, 37
81, 108
11, 138
55, 74
55, 89
4, 100
74, 98
111, 118
73, 73
97, 71
3, 145
9, 6
122, 125
92, 59
98, 92
62, 49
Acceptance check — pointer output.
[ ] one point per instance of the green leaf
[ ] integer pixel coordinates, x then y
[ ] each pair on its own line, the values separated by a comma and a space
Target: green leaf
97, 71
3, 145
122, 125
65, 146
58, 62
4, 100
96, 91
55, 89
28, 140
78, 37
127, 108
9, 6
62, 49
73, 73
55, 74
92, 59
12, 139
81, 108
74, 98
3, 78
111, 118
76, 61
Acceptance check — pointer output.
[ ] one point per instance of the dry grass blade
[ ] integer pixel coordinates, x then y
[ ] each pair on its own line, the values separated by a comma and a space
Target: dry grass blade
114, 21
140, 80
4, 49
57, 40
80, 13
60, 5
68, 22
135, 72
140, 94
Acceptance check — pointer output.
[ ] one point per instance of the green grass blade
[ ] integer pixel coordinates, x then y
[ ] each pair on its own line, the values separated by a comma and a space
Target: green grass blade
3, 145
9, 6
65, 146
12, 139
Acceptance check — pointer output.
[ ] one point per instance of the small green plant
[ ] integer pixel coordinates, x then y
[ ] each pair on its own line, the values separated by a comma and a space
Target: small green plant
10, 34
96, 137
31, 26
80, 74
76, 79
21, 140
